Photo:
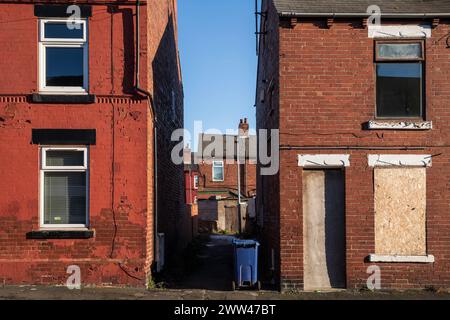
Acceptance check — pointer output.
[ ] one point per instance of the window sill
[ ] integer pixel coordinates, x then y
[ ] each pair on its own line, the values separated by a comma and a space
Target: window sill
399, 125
399, 259
61, 234
63, 98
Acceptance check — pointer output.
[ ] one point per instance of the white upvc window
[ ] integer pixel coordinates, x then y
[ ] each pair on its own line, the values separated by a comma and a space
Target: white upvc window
64, 187
63, 56
217, 169
196, 182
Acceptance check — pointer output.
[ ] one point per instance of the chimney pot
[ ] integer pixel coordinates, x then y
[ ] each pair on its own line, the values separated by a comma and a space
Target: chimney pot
243, 127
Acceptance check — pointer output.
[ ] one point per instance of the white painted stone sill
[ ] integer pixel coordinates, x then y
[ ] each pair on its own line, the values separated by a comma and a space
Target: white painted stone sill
399, 259
400, 125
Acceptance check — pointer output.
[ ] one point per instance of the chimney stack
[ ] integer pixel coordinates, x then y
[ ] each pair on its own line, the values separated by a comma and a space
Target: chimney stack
187, 155
243, 128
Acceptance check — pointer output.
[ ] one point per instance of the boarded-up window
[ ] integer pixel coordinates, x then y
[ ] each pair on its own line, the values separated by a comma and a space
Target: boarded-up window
400, 205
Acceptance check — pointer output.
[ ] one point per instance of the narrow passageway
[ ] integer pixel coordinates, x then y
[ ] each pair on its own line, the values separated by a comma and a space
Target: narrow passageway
215, 270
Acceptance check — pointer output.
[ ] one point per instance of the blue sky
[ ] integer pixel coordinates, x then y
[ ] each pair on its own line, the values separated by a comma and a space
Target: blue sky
218, 60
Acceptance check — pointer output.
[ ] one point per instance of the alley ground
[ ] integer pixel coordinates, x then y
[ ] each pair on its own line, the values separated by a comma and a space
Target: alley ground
210, 279
214, 268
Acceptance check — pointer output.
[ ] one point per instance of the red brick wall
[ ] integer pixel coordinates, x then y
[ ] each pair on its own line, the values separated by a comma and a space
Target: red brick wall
121, 162
190, 190
230, 182
327, 93
165, 72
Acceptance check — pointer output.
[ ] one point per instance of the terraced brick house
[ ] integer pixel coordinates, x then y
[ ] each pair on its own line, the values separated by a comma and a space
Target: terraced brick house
360, 95
90, 91
225, 185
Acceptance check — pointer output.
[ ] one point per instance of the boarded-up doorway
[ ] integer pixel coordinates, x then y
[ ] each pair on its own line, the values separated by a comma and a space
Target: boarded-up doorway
324, 229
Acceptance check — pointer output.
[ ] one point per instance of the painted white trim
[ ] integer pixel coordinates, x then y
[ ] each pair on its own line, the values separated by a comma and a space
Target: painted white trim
413, 259
44, 169
324, 160
400, 31
400, 125
400, 160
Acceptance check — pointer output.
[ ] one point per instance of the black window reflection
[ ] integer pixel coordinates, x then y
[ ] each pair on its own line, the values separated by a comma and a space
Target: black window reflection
399, 90
64, 67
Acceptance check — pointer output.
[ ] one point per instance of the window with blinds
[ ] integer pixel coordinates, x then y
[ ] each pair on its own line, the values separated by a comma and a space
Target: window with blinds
64, 186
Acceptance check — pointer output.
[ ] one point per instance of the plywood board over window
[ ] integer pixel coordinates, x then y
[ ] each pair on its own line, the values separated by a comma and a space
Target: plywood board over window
400, 211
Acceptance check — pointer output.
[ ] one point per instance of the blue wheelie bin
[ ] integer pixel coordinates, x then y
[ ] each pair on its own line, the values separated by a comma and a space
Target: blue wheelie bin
245, 264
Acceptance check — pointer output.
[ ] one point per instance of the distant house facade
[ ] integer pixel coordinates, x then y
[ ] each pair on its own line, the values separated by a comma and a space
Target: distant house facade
362, 113
93, 90
223, 181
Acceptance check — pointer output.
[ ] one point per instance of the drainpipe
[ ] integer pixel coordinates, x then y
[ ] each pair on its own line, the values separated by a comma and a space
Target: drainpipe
238, 184
155, 132
239, 172
240, 203
138, 52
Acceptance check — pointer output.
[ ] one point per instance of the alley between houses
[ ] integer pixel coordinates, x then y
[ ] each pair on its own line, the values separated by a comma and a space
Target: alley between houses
215, 263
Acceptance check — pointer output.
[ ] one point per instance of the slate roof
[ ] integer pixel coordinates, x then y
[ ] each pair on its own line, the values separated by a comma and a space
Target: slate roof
309, 7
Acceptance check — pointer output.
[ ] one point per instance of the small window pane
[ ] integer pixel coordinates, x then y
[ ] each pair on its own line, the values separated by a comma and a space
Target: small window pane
64, 67
399, 51
195, 182
65, 198
218, 173
65, 158
63, 30
399, 89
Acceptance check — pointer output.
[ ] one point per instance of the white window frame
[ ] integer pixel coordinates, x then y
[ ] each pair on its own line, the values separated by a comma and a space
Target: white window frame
62, 43
44, 168
196, 181
218, 166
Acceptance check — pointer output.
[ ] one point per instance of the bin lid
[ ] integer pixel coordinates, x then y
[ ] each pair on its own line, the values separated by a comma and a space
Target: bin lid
245, 243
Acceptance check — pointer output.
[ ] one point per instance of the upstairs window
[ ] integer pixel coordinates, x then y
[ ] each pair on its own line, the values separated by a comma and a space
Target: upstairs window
64, 187
217, 171
63, 56
400, 86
